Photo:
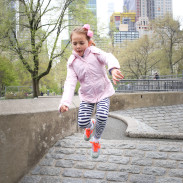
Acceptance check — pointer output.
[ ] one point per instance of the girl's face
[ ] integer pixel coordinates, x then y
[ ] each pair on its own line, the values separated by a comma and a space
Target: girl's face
80, 43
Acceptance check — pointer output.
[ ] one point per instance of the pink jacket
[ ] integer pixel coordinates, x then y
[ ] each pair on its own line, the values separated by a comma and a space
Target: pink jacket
90, 71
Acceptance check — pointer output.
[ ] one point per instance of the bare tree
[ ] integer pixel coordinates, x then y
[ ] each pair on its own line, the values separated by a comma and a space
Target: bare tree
138, 58
30, 38
170, 39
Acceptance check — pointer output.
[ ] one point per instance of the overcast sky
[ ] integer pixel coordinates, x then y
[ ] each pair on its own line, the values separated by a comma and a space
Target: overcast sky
177, 8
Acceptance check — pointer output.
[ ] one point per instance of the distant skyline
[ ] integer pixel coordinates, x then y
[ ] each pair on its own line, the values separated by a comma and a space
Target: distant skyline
102, 11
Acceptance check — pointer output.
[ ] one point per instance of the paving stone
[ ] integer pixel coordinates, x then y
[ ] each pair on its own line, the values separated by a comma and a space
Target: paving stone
180, 165
65, 151
64, 163
82, 151
72, 173
130, 169
154, 171
146, 147
116, 152
94, 174
126, 146
116, 176
76, 157
165, 163
47, 162
134, 153
95, 181
30, 179
176, 173
50, 171
85, 165
51, 179
170, 148
142, 179
168, 180
119, 160
157, 155
70, 180
107, 166
55, 156
141, 161
177, 156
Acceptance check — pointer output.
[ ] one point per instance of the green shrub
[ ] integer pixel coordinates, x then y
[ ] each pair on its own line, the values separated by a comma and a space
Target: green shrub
17, 95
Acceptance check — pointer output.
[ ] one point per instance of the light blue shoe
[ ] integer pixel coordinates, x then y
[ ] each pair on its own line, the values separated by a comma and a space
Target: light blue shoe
95, 151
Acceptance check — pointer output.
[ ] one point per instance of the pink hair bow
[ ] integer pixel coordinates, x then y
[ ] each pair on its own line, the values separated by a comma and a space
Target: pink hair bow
87, 27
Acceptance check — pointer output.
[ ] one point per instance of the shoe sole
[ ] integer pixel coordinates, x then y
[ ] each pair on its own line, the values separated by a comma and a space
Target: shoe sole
95, 155
87, 139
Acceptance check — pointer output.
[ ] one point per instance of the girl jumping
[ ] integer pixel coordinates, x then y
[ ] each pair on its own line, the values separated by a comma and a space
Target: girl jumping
87, 65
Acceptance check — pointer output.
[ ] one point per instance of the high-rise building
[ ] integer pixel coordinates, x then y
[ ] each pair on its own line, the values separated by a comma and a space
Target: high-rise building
161, 7
124, 18
148, 8
125, 23
132, 6
91, 5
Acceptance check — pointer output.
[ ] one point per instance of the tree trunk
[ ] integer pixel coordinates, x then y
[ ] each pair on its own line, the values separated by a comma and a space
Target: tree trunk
35, 84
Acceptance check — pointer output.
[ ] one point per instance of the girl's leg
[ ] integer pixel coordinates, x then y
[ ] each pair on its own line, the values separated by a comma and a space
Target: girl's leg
102, 116
84, 115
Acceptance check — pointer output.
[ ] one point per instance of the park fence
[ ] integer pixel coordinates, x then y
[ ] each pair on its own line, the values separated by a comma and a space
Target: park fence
13, 92
149, 85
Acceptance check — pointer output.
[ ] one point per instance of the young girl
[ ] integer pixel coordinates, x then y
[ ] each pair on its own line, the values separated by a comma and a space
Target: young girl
87, 65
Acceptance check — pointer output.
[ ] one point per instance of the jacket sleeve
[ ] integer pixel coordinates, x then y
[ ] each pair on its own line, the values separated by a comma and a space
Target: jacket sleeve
69, 87
107, 58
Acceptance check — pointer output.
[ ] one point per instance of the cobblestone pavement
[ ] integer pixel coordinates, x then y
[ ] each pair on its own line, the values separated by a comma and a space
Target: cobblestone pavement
133, 161
162, 118
69, 161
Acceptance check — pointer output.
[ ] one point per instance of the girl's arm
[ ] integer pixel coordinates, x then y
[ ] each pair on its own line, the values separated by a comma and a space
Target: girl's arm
113, 65
69, 88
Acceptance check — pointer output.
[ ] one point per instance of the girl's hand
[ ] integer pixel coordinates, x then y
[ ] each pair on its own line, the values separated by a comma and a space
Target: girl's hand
116, 75
64, 108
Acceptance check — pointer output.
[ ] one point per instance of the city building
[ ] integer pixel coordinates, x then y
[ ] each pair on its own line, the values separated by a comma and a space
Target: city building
92, 6
125, 23
132, 6
162, 7
122, 36
124, 18
143, 26
148, 8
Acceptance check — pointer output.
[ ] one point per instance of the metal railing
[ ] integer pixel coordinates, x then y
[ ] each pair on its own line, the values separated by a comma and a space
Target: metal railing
149, 85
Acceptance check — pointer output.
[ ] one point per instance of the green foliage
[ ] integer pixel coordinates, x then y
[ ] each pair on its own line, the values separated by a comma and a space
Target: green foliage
8, 75
77, 88
17, 95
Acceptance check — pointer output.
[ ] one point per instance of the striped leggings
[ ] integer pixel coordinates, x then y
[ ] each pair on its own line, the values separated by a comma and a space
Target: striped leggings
85, 112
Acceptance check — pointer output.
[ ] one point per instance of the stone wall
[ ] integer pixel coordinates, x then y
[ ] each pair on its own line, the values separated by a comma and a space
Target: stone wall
136, 100
28, 128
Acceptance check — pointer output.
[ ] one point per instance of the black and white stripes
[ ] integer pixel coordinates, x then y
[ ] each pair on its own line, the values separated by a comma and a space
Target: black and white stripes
85, 112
